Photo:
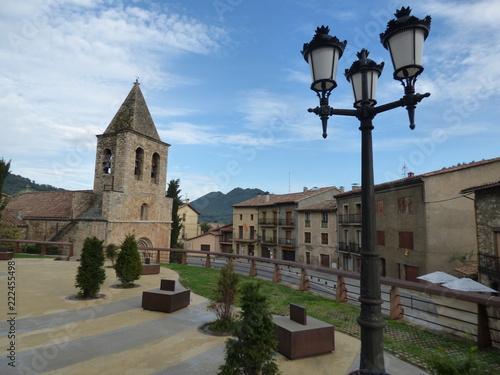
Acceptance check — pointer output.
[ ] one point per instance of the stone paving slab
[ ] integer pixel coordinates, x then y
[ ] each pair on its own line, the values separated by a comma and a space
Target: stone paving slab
57, 336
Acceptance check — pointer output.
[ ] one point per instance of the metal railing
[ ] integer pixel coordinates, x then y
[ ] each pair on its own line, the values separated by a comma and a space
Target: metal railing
349, 219
349, 247
66, 251
466, 314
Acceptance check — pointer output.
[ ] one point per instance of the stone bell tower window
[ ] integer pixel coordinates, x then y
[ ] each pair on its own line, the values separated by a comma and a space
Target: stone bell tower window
106, 161
139, 163
155, 165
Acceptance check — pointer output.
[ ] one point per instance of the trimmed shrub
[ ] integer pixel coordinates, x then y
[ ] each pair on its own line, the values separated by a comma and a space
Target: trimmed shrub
90, 274
112, 252
252, 350
128, 264
224, 298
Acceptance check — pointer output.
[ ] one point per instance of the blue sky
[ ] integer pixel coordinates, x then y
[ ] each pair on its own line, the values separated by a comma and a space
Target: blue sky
229, 90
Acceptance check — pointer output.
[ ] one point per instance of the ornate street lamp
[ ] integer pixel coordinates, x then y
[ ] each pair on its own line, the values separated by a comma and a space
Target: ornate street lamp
404, 38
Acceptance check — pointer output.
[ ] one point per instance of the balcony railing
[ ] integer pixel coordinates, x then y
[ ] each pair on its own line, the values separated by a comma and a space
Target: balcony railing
268, 240
349, 247
286, 223
286, 241
268, 222
349, 219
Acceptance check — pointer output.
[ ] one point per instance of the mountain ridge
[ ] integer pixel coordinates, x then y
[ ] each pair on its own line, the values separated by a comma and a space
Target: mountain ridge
216, 207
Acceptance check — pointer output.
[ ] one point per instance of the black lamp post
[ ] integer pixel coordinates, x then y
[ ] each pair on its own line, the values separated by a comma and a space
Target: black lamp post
404, 38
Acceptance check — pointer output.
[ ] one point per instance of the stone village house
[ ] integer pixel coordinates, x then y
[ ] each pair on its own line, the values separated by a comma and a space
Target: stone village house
487, 206
423, 222
128, 196
296, 227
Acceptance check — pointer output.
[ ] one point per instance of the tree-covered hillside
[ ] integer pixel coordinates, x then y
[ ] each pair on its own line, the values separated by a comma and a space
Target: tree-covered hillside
14, 184
216, 207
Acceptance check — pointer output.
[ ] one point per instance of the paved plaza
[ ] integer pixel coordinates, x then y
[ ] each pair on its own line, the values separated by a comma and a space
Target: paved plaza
54, 334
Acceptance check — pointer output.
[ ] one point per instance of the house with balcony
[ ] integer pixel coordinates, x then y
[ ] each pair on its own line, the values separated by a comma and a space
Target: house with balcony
487, 207
266, 225
423, 222
317, 234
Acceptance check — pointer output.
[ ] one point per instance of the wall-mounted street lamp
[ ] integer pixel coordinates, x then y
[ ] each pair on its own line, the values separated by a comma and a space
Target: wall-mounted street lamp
404, 38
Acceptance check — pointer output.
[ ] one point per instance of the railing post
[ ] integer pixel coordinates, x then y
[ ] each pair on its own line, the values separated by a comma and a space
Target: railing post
304, 280
184, 259
44, 250
341, 295
396, 309
17, 248
277, 274
158, 256
208, 264
483, 327
253, 269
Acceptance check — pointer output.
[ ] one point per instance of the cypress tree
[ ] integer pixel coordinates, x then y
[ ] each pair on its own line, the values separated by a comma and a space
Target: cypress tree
90, 274
252, 350
128, 265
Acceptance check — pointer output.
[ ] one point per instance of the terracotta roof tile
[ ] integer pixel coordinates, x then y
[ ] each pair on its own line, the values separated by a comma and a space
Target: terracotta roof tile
417, 178
327, 205
480, 187
273, 199
11, 217
50, 204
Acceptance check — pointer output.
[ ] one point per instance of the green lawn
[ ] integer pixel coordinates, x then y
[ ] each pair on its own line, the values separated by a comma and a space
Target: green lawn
409, 342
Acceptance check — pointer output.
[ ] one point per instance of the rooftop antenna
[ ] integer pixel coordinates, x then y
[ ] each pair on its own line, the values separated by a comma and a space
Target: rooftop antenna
289, 189
405, 170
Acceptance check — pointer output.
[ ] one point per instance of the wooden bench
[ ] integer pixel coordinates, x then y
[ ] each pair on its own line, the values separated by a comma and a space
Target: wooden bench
170, 297
150, 269
5, 253
300, 335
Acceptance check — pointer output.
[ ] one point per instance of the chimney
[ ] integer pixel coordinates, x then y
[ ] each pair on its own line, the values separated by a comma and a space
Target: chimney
186, 201
356, 187
267, 197
411, 174
305, 189
19, 215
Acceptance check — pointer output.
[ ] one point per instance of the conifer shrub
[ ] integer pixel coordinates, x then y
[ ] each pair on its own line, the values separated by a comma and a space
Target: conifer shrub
90, 274
128, 264
112, 252
224, 299
252, 350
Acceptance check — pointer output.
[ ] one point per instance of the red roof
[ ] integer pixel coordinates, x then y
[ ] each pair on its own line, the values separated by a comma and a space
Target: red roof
50, 204
481, 187
418, 178
11, 217
273, 199
328, 205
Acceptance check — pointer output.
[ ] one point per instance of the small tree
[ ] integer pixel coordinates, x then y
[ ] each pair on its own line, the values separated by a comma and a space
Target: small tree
91, 274
112, 252
175, 256
128, 264
204, 227
252, 350
174, 192
222, 303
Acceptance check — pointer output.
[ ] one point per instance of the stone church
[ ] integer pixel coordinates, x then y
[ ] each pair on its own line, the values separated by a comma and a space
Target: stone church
129, 189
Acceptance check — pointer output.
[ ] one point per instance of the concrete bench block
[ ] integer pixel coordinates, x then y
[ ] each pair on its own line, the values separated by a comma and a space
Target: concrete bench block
303, 336
166, 300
